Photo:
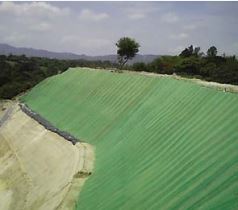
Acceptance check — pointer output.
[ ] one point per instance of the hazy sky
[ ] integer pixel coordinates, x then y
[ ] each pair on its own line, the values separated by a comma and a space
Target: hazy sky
94, 27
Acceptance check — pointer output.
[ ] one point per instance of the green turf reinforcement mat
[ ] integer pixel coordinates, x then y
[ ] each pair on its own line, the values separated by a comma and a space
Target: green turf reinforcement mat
160, 143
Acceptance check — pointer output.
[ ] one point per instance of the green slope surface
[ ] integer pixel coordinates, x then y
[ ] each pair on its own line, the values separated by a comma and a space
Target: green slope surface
160, 143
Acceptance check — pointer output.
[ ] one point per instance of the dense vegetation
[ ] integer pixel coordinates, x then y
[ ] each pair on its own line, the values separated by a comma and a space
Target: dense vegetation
19, 73
192, 62
160, 143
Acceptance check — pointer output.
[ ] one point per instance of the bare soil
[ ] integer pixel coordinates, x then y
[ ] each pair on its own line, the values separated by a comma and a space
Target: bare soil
38, 167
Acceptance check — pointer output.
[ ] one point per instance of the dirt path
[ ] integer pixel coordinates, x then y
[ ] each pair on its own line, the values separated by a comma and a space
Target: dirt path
39, 169
6, 115
4, 105
215, 85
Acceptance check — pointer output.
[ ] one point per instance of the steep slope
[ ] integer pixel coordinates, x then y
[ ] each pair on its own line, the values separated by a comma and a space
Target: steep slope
160, 143
39, 169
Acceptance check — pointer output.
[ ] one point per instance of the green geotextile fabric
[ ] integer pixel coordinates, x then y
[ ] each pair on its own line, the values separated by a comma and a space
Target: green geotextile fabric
161, 143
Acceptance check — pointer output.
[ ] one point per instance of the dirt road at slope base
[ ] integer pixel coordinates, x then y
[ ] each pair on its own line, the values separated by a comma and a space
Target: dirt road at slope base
4, 105
39, 169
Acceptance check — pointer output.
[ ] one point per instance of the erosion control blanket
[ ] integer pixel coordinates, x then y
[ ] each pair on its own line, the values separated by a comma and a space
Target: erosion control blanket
161, 143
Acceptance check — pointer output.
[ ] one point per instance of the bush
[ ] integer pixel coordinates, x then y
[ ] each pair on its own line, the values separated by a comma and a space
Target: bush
208, 69
139, 67
10, 90
190, 65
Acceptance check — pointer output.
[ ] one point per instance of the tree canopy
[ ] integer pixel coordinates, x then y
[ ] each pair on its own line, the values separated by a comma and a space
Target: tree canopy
127, 49
212, 51
191, 51
193, 63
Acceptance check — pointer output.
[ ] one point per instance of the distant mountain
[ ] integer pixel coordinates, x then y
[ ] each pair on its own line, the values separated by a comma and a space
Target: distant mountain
6, 49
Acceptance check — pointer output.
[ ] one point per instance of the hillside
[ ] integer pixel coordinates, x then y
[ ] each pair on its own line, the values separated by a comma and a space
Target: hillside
161, 143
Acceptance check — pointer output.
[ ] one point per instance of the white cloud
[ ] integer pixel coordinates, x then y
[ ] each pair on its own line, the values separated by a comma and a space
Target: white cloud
15, 38
48, 25
25, 22
170, 18
90, 15
190, 27
235, 45
40, 27
179, 36
2, 28
68, 39
176, 50
234, 49
136, 16
140, 10
95, 43
35, 9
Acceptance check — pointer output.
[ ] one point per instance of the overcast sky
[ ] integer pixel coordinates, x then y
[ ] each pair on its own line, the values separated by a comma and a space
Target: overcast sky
94, 27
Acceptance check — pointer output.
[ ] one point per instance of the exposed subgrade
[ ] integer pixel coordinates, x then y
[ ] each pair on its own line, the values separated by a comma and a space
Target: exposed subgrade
47, 124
